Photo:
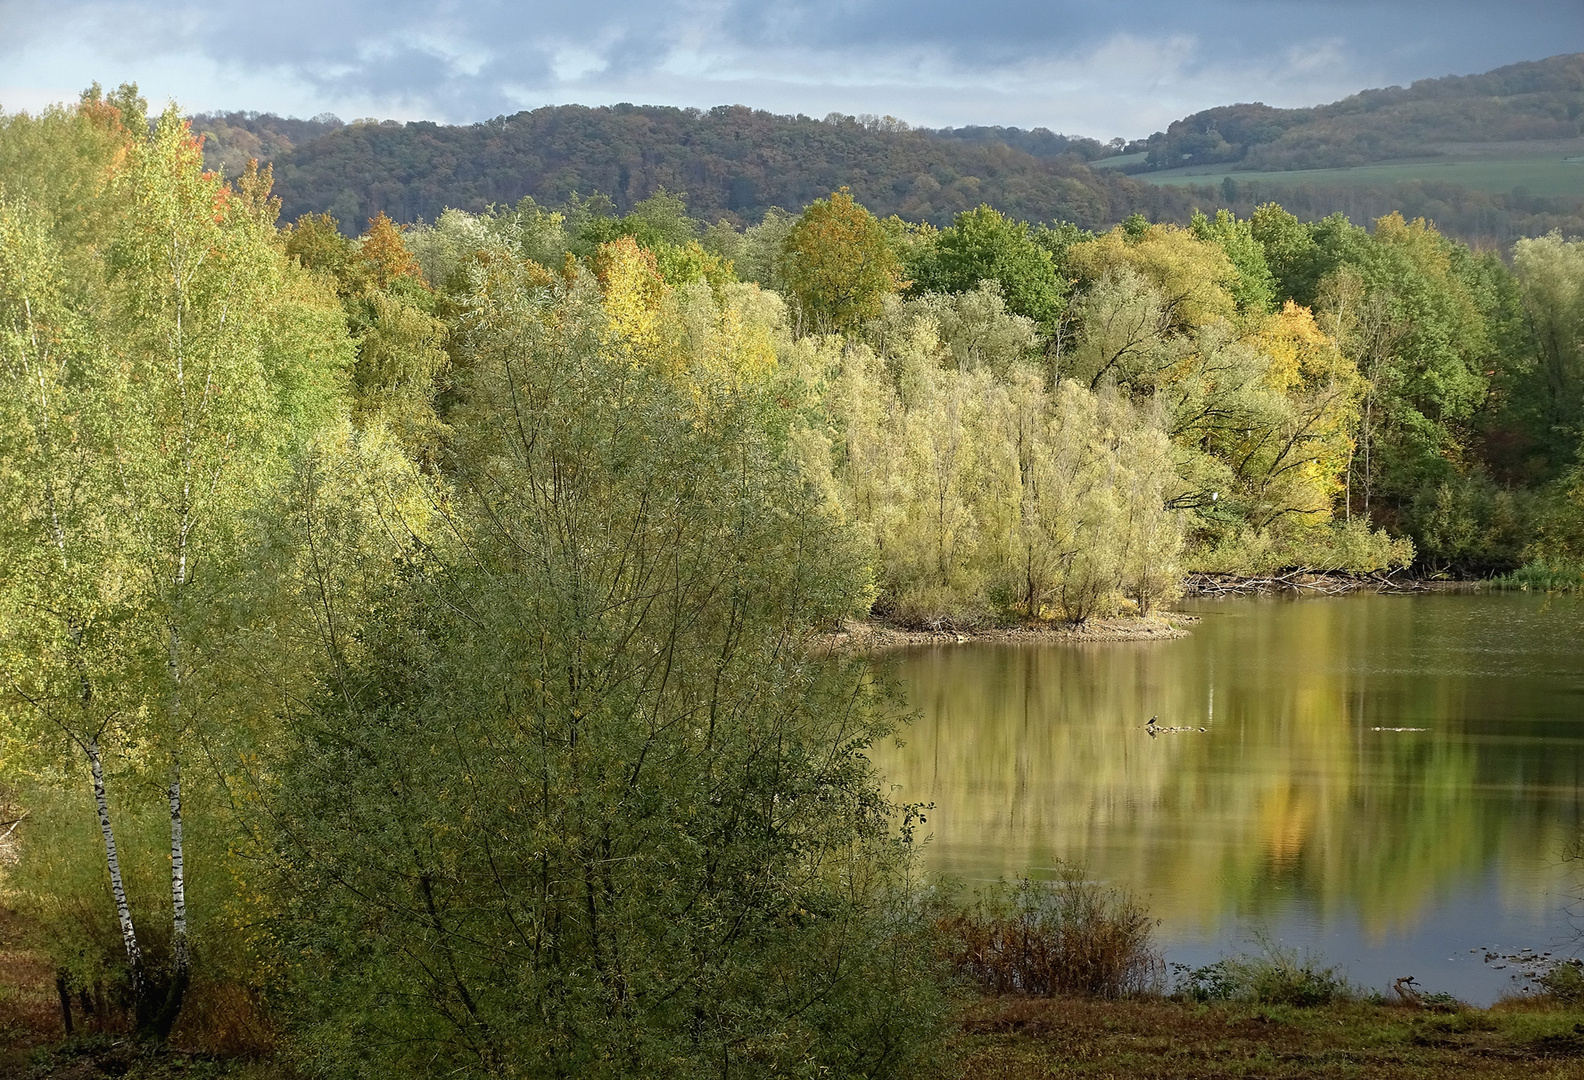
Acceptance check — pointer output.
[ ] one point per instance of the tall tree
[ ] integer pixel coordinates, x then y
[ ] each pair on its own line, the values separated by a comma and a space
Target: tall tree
985, 245
839, 264
151, 400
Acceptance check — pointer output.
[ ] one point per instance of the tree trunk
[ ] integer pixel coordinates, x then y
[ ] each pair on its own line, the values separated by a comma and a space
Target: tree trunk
117, 887
181, 958
65, 1001
179, 952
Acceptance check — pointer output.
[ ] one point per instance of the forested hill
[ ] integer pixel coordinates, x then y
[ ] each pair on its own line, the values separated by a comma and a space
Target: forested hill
736, 162
730, 161
1542, 99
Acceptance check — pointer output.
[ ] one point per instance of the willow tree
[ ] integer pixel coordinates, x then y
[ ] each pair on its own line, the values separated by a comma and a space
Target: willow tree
580, 803
152, 386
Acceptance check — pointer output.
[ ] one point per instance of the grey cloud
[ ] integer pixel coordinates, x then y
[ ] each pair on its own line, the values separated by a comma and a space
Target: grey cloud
991, 31
465, 61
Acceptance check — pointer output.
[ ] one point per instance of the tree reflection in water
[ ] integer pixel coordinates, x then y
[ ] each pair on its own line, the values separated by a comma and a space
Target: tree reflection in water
1306, 787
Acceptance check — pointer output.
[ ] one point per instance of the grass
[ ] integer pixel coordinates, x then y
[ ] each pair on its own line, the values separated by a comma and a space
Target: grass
1241, 1034
1274, 976
1547, 169
1156, 1039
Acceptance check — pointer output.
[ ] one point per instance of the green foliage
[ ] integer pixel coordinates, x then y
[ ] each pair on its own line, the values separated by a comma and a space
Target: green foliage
1273, 976
1564, 982
984, 245
1540, 577
1472, 525
1255, 287
1349, 547
156, 370
757, 253
984, 493
1546, 392
580, 802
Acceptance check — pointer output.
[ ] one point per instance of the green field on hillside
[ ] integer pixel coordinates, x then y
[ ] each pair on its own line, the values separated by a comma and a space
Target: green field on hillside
1550, 168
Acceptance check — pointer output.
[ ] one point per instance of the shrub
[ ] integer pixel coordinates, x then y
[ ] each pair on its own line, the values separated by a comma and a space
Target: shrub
1068, 937
1540, 577
1564, 982
1336, 548
1273, 976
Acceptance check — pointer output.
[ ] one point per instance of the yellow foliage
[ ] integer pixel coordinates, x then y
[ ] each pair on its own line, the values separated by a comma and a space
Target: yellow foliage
732, 340
1300, 352
702, 333
385, 253
1417, 237
634, 291
1194, 276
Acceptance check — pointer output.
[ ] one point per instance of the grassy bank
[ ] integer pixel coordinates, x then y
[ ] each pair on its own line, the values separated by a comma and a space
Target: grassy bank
1017, 1038
1007, 1037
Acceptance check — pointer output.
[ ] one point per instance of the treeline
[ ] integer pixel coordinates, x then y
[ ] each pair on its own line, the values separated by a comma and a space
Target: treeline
736, 163
407, 640
732, 162
1483, 219
1314, 382
1041, 142
1541, 99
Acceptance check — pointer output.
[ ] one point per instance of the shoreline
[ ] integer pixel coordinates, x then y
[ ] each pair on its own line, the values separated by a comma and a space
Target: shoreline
875, 635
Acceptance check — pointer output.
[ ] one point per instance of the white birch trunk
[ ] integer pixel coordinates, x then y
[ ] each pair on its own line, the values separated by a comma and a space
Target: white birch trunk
179, 952
117, 887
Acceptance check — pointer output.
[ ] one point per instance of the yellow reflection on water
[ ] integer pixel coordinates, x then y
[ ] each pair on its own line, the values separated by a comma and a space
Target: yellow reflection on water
1291, 793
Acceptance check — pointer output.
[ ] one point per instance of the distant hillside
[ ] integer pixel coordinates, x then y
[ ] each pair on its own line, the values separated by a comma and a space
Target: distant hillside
736, 163
1543, 99
730, 162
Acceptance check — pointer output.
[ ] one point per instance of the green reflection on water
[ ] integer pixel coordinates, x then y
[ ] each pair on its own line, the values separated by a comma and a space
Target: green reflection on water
1038, 753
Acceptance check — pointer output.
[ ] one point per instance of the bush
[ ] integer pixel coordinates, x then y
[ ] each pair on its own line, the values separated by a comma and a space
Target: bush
1338, 548
1470, 524
1564, 982
1539, 577
1274, 976
1068, 937
591, 810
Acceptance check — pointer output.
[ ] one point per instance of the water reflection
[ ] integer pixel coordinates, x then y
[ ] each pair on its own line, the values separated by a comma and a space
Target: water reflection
1293, 806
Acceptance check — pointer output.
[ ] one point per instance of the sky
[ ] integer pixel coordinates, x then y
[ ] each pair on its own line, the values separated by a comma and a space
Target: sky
1103, 69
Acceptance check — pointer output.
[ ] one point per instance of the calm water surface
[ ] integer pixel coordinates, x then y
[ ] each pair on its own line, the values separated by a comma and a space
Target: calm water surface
1295, 814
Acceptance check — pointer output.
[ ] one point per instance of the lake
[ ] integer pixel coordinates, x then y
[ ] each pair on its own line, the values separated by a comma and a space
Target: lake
1387, 781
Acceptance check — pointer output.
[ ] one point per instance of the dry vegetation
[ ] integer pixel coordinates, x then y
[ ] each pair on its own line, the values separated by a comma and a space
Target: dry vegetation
1013, 939
1017, 1038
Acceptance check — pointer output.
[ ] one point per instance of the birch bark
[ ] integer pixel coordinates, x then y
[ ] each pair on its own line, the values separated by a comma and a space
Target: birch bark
117, 886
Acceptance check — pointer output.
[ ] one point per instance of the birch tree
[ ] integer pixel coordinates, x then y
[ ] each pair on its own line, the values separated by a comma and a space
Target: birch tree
149, 401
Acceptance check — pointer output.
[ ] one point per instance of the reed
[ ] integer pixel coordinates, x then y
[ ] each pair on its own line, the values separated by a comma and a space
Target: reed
1069, 937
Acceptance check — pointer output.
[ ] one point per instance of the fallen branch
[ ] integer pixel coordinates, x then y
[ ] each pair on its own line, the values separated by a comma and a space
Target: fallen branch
1300, 580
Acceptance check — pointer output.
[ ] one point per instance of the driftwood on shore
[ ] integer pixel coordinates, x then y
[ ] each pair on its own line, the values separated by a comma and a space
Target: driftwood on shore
1305, 581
